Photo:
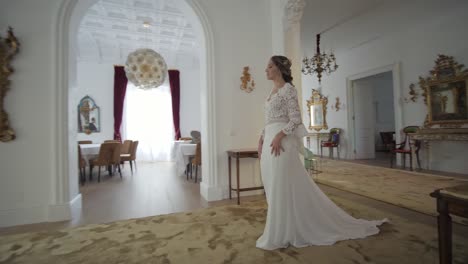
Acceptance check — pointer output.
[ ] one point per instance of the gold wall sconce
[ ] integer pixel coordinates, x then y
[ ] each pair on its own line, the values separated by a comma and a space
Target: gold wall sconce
413, 94
247, 82
338, 105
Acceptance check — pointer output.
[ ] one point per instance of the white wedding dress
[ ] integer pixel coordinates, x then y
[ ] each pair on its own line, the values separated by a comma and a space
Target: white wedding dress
299, 213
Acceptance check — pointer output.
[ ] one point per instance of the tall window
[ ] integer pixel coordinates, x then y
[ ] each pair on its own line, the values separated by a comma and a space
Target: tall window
148, 119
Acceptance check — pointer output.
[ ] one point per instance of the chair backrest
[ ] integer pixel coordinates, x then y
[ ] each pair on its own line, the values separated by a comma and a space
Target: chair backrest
410, 129
134, 150
335, 135
116, 153
387, 137
111, 141
196, 136
85, 142
106, 152
308, 154
407, 130
126, 147
197, 159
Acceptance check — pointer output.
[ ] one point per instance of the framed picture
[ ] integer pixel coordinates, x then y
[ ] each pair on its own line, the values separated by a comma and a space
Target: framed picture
317, 106
446, 94
88, 116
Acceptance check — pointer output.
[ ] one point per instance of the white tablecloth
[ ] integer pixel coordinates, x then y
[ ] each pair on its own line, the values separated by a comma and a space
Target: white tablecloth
89, 151
175, 147
182, 156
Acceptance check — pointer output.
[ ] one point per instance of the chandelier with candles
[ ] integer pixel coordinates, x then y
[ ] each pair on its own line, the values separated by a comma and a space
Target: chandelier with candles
319, 63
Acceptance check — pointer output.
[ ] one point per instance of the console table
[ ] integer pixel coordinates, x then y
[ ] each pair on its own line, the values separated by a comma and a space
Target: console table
318, 136
426, 135
451, 200
238, 154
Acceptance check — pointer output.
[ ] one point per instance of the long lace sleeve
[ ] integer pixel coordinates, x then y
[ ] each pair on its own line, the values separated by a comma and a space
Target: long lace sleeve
294, 113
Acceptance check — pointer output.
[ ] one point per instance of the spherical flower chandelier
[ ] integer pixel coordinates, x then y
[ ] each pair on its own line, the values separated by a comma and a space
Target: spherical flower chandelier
145, 68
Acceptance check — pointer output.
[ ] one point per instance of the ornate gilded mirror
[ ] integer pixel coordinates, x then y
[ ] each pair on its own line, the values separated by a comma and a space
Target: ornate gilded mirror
9, 47
317, 106
445, 93
88, 116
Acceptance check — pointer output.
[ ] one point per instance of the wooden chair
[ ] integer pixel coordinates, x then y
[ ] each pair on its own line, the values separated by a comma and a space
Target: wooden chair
131, 156
332, 142
81, 166
196, 161
196, 136
112, 141
310, 162
85, 142
404, 148
105, 158
387, 140
126, 147
115, 162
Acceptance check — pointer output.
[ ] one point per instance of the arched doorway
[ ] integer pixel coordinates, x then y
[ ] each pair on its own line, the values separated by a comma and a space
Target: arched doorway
64, 185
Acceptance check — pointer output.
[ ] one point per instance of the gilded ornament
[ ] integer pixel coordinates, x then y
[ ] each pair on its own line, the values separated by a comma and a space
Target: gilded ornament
247, 82
445, 93
9, 47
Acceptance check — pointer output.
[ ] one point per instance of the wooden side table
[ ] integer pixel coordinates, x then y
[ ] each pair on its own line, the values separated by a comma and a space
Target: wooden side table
452, 200
238, 154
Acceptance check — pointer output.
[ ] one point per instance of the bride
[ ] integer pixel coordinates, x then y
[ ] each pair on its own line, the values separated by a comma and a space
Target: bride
299, 213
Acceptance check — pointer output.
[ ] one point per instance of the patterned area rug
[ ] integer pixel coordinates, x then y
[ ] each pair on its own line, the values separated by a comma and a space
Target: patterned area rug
224, 234
402, 188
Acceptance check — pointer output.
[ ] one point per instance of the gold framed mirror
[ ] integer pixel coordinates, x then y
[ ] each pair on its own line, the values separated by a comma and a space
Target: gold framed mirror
445, 94
317, 106
9, 47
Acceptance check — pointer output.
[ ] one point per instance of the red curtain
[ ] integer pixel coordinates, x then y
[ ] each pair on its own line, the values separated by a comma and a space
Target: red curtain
120, 87
174, 82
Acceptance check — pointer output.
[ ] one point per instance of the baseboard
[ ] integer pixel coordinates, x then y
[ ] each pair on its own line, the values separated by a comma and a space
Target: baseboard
23, 216
40, 214
211, 193
61, 212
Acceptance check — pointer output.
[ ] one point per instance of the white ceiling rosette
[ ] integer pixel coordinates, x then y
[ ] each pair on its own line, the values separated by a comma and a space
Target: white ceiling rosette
146, 69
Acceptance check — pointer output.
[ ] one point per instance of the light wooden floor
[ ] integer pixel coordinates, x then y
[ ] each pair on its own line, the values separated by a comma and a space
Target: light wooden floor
154, 189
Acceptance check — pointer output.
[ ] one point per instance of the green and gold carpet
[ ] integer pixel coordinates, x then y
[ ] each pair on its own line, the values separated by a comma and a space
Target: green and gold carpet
402, 188
224, 234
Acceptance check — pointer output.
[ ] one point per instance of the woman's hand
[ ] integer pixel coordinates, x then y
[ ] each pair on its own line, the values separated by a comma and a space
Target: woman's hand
260, 146
275, 145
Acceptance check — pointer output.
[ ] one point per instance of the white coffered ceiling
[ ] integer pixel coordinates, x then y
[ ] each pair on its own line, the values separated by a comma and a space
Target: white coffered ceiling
113, 28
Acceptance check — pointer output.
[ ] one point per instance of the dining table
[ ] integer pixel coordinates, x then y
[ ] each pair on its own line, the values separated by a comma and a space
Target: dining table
89, 151
182, 156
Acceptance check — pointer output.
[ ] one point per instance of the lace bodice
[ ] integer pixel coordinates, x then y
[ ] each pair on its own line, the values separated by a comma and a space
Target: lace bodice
283, 106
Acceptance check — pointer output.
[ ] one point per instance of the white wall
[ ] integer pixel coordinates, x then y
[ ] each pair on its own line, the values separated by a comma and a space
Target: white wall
242, 37
32, 188
190, 115
97, 81
408, 33
28, 163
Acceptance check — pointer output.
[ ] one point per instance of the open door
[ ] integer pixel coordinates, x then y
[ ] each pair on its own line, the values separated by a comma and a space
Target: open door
363, 119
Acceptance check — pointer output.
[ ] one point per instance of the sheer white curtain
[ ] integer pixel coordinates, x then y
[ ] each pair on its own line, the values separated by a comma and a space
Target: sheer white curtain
148, 119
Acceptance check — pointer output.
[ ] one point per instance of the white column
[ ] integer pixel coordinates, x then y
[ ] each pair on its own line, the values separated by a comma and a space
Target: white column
292, 41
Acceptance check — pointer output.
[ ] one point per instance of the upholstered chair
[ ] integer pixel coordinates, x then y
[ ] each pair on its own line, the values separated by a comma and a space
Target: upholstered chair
405, 147
332, 142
